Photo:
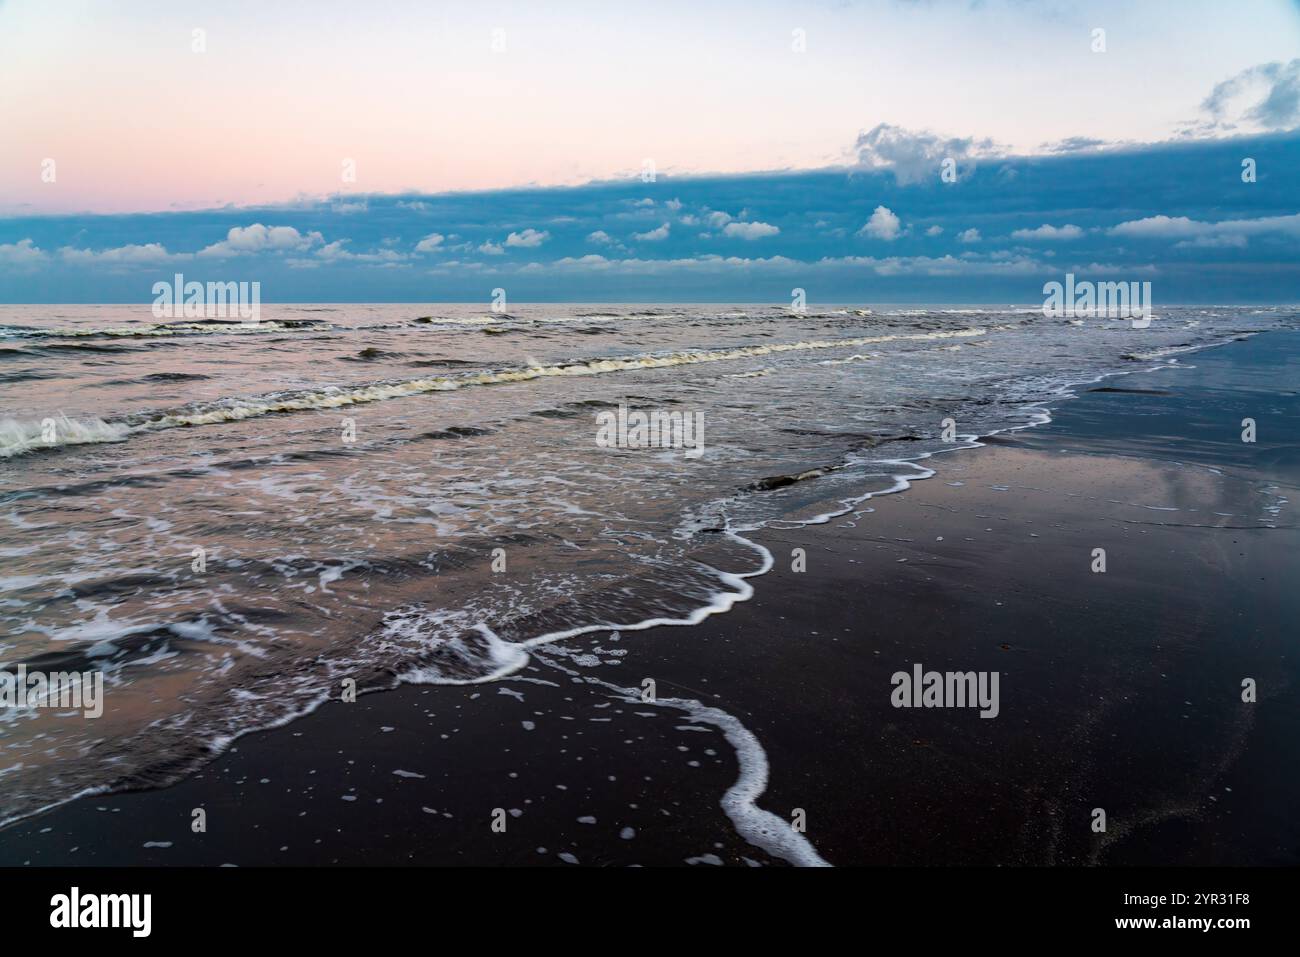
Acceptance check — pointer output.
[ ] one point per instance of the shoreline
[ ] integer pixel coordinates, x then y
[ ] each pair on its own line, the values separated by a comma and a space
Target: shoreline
1038, 411
266, 745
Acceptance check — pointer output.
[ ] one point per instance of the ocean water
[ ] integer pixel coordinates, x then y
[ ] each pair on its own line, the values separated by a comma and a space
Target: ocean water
356, 476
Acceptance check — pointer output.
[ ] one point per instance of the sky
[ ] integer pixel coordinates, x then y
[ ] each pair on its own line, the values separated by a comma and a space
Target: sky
618, 151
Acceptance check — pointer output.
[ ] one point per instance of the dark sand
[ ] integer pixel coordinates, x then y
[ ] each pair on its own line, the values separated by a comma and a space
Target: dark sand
1119, 690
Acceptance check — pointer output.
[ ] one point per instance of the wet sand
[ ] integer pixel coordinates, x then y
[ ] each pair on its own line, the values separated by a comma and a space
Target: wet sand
1118, 690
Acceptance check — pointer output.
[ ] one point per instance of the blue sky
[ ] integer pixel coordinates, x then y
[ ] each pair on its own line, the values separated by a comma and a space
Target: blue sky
775, 167
1179, 215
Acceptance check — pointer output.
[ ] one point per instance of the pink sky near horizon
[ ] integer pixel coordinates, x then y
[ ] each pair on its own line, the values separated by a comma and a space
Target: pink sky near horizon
136, 120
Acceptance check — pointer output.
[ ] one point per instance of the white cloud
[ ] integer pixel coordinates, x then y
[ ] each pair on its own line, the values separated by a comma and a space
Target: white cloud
971, 235
883, 224
491, 248
1077, 144
1224, 241
455, 266
258, 238
969, 264
1159, 227
591, 259
335, 252
917, 156
1049, 233
1113, 269
21, 254
717, 219
1195, 233
946, 266
934, 231
148, 253
750, 230
418, 205
528, 238
654, 235
601, 237
430, 243
1263, 97
708, 263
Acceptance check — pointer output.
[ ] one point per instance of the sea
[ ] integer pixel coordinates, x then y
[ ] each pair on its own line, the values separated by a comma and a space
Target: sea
233, 522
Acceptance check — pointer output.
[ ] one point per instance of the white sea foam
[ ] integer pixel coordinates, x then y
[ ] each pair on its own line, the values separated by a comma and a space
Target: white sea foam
1164, 353
761, 828
500, 658
856, 357
19, 437
740, 801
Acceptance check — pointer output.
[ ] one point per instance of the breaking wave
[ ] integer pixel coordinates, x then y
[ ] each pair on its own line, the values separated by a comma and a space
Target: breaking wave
201, 327
18, 438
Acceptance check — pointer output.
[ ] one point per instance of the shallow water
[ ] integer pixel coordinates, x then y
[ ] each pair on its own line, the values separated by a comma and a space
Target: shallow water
328, 557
